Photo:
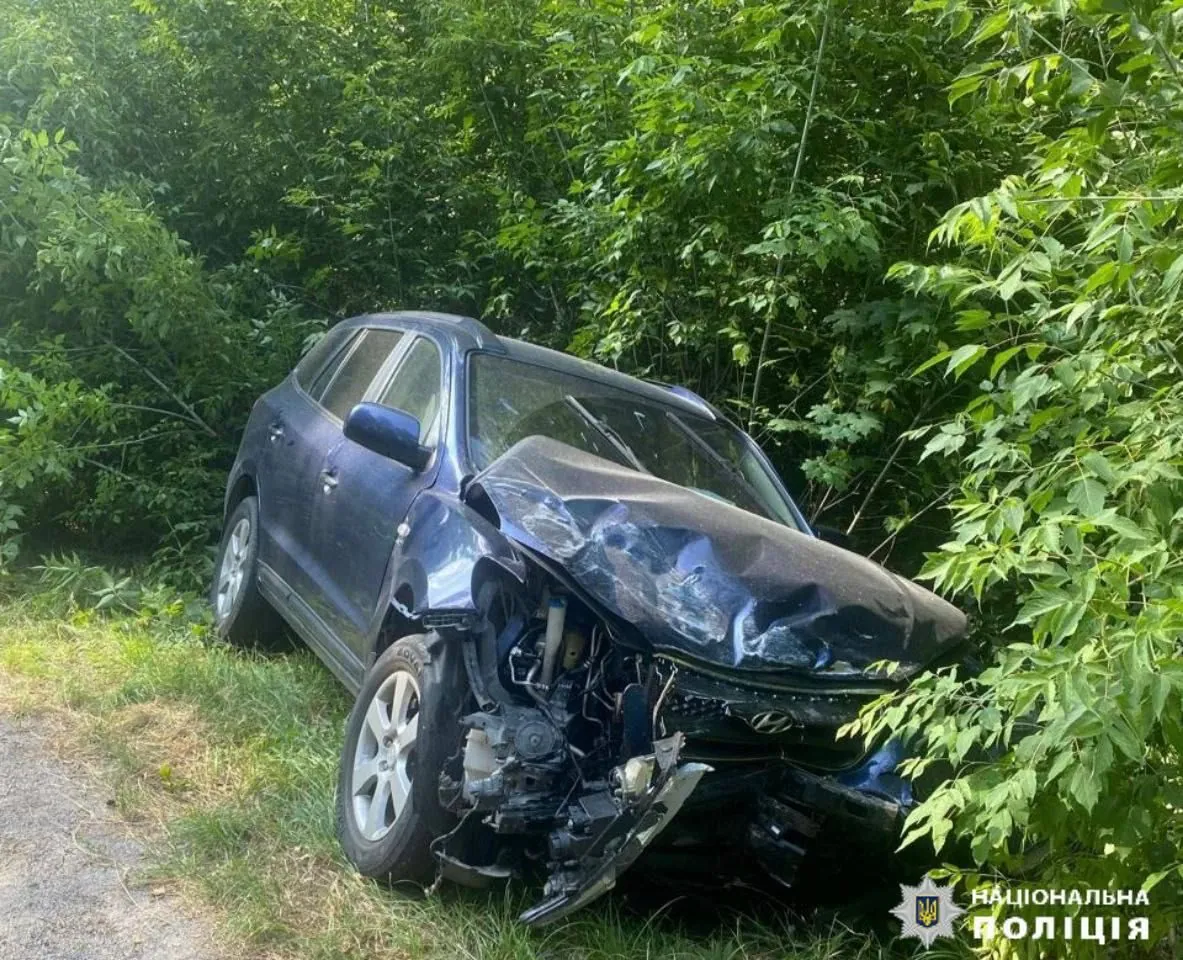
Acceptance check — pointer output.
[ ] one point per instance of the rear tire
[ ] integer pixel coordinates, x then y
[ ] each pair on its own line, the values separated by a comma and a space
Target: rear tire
388, 806
243, 618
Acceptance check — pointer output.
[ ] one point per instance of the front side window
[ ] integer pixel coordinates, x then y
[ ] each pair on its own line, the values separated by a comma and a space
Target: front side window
356, 371
415, 389
510, 400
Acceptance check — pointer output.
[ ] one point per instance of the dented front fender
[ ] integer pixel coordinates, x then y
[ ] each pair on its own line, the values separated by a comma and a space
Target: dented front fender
441, 546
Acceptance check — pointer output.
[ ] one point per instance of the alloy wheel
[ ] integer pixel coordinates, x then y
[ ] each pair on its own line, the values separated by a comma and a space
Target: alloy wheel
383, 761
233, 568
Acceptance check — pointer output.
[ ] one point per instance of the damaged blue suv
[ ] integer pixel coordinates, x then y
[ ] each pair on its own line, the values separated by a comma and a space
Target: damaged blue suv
582, 617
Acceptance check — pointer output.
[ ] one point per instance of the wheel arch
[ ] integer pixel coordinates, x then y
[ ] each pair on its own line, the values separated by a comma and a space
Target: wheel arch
398, 622
244, 485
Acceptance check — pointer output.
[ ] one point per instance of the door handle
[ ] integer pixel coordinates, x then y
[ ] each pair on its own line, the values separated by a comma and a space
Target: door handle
328, 480
275, 431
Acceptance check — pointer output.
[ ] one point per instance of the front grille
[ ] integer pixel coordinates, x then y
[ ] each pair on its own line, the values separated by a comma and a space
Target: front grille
684, 706
736, 723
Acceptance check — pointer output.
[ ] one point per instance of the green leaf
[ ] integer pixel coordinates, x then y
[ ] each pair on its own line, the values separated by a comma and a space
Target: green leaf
1154, 879
1000, 360
1101, 276
941, 828
963, 86
1137, 62
973, 319
1083, 788
1078, 311
932, 361
1088, 496
1045, 601
991, 26
1125, 246
1126, 740
1122, 526
963, 358
1097, 464
1170, 279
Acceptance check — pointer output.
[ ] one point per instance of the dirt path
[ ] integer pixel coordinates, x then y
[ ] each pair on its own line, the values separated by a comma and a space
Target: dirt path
68, 866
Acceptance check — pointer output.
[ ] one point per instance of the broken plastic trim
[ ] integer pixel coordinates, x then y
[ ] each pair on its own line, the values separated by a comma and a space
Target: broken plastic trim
629, 833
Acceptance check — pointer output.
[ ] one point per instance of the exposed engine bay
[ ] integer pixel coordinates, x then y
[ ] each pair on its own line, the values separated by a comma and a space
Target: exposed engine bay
650, 679
566, 764
585, 748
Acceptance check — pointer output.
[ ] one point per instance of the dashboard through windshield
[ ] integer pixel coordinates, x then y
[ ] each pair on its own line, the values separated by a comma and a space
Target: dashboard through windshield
509, 400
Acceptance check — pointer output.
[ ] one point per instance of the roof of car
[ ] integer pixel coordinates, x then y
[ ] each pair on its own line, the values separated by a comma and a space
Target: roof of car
474, 335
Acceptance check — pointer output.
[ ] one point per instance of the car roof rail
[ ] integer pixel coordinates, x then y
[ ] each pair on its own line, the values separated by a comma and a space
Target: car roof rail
485, 338
685, 393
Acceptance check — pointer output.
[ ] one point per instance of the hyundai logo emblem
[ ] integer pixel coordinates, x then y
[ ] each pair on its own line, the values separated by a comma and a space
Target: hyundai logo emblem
771, 722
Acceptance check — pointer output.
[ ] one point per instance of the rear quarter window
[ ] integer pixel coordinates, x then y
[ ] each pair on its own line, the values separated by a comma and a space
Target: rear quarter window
316, 359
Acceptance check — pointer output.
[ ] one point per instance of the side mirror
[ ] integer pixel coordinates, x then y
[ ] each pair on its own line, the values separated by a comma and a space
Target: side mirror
388, 432
838, 538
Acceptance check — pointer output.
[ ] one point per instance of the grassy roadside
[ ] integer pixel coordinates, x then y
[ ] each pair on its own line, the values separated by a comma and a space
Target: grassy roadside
229, 761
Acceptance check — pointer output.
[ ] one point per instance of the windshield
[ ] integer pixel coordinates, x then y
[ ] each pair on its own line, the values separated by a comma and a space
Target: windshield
509, 401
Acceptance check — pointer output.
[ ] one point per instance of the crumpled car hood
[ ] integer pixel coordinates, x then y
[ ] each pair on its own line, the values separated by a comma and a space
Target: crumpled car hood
708, 581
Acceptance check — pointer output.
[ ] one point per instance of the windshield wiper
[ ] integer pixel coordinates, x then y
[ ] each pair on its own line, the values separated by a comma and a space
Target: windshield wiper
609, 434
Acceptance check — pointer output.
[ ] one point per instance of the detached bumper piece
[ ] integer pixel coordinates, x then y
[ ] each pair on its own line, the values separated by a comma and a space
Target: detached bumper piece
807, 811
608, 828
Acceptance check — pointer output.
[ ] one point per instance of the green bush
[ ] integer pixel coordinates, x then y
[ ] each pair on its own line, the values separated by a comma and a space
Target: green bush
1059, 303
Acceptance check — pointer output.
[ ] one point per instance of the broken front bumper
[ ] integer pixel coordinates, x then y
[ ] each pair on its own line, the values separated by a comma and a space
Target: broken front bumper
862, 810
609, 828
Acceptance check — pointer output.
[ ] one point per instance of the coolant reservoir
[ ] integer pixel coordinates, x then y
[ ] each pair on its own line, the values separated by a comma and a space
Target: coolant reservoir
479, 761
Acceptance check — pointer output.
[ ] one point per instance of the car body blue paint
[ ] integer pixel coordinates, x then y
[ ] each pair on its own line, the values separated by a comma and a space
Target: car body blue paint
325, 553
445, 543
877, 776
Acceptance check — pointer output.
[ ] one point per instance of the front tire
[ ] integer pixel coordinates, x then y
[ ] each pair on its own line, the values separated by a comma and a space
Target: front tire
243, 618
402, 731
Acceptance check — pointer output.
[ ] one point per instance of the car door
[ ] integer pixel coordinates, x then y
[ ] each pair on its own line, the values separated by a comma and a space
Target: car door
363, 497
316, 429
298, 435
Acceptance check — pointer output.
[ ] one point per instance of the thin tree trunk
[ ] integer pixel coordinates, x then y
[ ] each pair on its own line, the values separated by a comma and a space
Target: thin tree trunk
817, 69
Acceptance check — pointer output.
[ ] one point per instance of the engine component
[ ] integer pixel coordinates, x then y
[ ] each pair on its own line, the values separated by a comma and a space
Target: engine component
479, 761
588, 817
522, 731
637, 735
606, 832
573, 644
635, 776
515, 769
526, 813
535, 739
556, 615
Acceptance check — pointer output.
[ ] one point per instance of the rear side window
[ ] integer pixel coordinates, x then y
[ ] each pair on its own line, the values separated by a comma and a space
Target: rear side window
352, 377
415, 389
315, 359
